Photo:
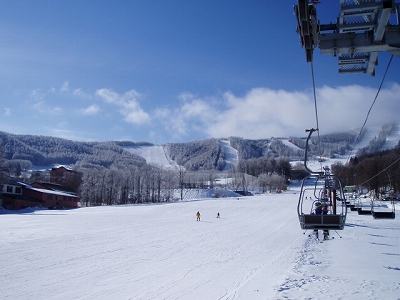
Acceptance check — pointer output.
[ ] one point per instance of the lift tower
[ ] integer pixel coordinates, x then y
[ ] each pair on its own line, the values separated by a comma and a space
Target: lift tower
361, 31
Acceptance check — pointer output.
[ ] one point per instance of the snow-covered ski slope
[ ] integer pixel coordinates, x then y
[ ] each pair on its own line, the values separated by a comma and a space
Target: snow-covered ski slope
158, 156
393, 139
154, 155
256, 250
231, 155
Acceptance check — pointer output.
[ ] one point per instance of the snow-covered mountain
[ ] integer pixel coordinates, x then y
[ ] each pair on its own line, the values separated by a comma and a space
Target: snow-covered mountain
157, 154
210, 154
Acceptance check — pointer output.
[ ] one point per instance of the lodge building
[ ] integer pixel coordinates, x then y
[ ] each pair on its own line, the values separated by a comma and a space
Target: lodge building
18, 195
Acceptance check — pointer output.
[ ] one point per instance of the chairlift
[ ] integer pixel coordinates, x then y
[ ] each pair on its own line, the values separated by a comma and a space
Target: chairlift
362, 207
382, 210
353, 204
351, 197
321, 189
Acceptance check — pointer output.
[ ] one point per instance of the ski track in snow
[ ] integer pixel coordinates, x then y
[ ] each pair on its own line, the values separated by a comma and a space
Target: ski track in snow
256, 250
327, 270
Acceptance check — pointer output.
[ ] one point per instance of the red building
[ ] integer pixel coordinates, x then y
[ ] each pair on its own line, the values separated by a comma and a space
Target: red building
18, 195
61, 174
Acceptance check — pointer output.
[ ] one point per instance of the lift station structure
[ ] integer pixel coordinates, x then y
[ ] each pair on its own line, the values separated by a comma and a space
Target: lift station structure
361, 31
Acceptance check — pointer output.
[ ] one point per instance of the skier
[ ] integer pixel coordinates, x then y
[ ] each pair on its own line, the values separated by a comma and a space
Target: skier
198, 216
217, 215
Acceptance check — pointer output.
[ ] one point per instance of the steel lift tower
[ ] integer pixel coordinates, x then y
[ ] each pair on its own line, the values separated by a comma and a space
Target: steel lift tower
361, 31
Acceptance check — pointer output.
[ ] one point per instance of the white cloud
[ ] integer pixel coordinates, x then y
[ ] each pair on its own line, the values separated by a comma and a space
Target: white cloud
37, 94
80, 93
42, 108
90, 110
65, 87
128, 105
193, 115
7, 111
66, 134
63, 124
263, 113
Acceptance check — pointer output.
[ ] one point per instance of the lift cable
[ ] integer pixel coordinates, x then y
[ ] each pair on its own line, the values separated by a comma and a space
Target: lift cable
316, 111
384, 170
369, 111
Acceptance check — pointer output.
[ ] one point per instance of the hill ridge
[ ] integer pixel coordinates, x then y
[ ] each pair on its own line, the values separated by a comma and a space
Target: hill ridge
219, 154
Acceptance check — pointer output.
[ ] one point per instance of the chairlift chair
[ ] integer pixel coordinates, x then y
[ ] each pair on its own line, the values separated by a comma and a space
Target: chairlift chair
363, 209
335, 216
353, 204
326, 189
380, 210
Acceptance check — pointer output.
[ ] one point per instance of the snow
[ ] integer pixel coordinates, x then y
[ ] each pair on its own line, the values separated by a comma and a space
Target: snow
289, 144
256, 250
231, 155
393, 139
154, 155
372, 132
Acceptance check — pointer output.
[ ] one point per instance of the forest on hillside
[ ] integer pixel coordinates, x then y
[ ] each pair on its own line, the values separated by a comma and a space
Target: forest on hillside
378, 171
46, 151
198, 155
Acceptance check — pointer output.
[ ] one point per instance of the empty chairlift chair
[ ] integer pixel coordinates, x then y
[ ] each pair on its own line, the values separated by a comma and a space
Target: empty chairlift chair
364, 206
383, 209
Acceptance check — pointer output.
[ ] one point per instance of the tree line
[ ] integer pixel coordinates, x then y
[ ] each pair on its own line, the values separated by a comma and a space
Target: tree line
378, 172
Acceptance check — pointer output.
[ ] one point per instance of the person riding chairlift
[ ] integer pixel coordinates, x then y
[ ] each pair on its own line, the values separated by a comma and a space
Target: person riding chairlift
321, 210
318, 208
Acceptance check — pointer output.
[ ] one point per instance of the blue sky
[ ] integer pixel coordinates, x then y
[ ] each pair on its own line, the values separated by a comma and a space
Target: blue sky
175, 71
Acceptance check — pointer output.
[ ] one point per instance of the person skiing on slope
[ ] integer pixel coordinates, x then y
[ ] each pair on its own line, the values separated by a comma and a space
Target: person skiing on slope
198, 216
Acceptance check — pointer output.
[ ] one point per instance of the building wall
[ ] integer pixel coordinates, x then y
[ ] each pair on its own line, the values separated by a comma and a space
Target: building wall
39, 198
14, 203
57, 174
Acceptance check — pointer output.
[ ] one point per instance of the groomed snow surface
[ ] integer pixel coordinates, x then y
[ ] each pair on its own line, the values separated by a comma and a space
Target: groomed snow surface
256, 250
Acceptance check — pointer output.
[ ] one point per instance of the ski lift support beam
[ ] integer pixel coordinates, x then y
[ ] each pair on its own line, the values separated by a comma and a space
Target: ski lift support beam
310, 132
362, 31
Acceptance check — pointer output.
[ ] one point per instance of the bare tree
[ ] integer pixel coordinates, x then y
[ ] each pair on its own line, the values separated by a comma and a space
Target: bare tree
181, 181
